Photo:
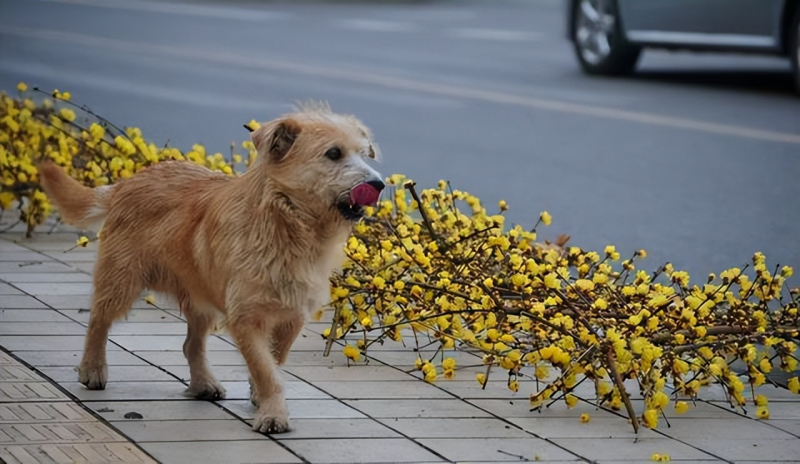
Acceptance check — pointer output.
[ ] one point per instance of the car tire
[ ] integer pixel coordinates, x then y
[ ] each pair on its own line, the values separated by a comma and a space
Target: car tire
599, 42
794, 49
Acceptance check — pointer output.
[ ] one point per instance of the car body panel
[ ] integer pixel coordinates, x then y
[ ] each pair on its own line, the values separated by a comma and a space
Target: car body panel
735, 25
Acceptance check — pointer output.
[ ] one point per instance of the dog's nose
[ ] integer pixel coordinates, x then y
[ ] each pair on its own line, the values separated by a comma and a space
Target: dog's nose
376, 184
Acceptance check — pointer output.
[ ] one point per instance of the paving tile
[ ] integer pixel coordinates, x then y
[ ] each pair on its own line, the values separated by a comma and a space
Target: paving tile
164, 342
520, 407
298, 409
497, 449
31, 315
50, 277
355, 372
745, 448
624, 449
158, 410
295, 390
117, 391
57, 432
73, 358
230, 452
336, 428
46, 288
783, 410
46, 343
407, 408
74, 256
67, 301
606, 426
314, 358
23, 268
685, 429
115, 374
369, 389
13, 371
173, 327
25, 256
70, 453
43, 413
176, 358
150, 315
455, 428
787, 425
222, 373
43, 328
374, 450
6, 289
21, 302
186, 430
30, 391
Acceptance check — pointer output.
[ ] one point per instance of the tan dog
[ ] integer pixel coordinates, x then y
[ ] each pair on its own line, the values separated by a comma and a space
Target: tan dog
255, 250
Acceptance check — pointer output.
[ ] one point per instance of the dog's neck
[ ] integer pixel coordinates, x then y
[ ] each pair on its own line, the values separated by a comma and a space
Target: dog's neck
299, 216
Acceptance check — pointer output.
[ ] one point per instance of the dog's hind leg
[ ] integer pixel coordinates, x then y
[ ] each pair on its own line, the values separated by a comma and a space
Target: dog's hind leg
284, 335
202, 385
115, 290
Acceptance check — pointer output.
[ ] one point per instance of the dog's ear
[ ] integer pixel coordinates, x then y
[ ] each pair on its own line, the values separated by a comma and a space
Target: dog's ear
277, 139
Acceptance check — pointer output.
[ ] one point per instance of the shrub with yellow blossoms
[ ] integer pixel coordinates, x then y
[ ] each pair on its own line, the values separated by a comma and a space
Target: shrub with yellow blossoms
437, 265
38, 125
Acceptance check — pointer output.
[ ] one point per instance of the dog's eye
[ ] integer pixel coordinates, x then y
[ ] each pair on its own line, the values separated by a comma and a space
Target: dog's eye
333, 154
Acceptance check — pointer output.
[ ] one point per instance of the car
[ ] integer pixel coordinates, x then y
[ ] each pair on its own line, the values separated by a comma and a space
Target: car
609, 35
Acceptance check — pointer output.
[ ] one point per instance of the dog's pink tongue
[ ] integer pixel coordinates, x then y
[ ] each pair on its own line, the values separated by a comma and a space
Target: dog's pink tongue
364, 195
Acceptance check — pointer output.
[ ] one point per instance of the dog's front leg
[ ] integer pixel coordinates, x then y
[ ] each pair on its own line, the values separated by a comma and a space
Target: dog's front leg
252, 332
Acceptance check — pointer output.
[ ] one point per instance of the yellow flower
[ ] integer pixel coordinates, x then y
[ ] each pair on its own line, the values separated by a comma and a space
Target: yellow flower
22, 87
503, 205
448, 364
794, 385
585, 418
379, 282
513, 386
650, 418
150, 299
681, 407
761, 400
600, 303
641, 253
481, 378
67, 114
571, 400
660, 457
82, 241
352, 352
253, 125
545, 218
762, 412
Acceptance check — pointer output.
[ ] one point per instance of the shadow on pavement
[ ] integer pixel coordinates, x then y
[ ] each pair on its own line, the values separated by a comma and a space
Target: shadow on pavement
767, 81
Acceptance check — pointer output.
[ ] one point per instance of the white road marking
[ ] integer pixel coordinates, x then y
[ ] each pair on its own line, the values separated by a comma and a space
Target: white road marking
184, 9
377, 25
341, 72
492, 34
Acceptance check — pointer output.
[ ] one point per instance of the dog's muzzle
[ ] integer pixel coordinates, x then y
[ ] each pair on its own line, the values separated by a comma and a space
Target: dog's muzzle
352, 205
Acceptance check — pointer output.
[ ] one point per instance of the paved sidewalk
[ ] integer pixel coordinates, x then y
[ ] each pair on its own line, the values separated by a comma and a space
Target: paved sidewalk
375, 412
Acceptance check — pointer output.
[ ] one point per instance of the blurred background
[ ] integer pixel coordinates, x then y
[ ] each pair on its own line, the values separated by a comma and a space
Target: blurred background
694, 157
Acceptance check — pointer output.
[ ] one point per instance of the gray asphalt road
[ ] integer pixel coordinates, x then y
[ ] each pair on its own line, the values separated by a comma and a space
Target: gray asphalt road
696, 158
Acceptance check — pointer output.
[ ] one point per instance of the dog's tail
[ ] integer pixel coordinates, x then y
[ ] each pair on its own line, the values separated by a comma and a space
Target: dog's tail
80, 206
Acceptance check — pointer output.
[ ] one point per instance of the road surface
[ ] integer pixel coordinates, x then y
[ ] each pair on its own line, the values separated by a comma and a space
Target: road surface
696, 158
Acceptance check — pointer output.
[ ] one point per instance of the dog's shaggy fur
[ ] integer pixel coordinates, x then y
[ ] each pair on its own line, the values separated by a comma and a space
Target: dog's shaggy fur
255, 251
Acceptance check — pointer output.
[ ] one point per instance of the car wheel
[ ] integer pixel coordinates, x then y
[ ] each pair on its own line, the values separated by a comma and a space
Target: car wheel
794, 49
597, 36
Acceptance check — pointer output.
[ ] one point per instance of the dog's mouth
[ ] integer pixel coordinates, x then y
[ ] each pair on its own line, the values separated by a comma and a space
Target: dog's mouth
351, 205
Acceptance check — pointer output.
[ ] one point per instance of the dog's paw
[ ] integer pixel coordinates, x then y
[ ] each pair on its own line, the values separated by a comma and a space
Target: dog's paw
208, 389
93, 377
266, 423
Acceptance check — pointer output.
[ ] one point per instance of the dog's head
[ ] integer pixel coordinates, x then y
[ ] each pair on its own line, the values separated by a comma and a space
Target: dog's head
318, 152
